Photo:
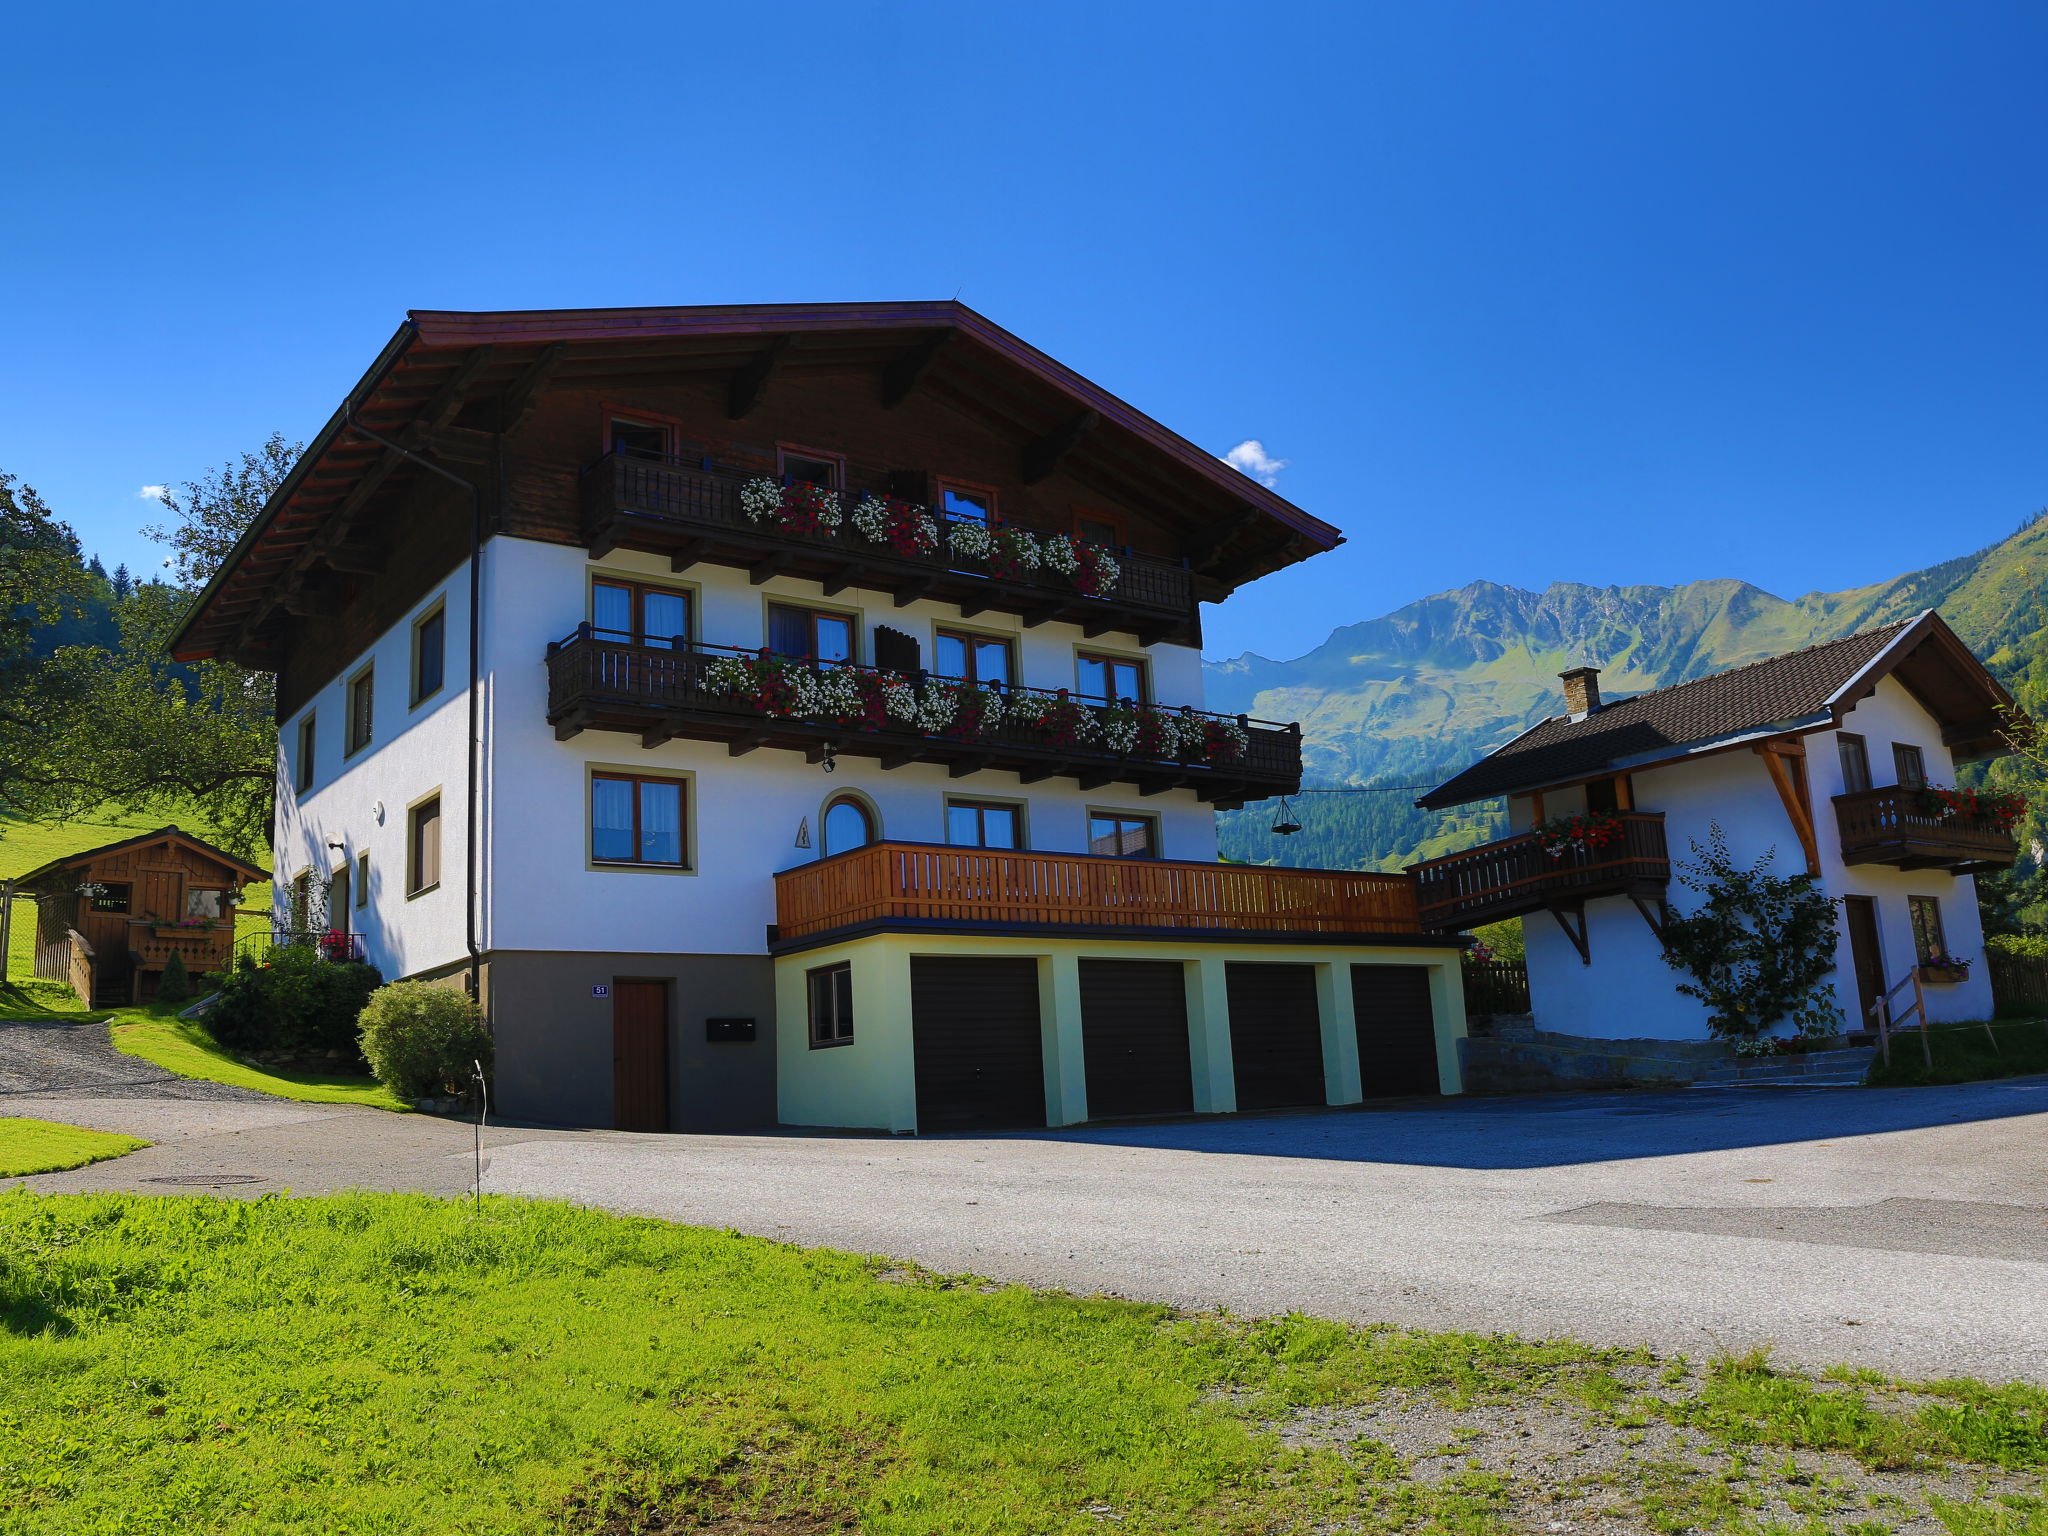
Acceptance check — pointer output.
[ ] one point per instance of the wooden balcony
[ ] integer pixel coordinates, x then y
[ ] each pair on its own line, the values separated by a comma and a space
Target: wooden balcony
1892, 826
204, 949
1516, 876
924, 886
660, 695
692, 513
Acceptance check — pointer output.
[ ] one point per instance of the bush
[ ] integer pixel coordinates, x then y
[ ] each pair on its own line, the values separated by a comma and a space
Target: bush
291, 1000
420, 1039
175, 985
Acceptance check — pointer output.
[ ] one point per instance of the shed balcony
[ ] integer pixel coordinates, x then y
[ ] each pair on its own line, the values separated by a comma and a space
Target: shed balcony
693, 513
1898, 825
936, 887
1515, 876
663, 694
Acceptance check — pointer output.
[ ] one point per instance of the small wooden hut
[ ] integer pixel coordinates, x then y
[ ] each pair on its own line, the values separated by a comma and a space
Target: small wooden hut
109, 918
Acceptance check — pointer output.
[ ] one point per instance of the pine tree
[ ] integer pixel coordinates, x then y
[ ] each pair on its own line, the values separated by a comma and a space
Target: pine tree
175, 985
123, 582
98, 571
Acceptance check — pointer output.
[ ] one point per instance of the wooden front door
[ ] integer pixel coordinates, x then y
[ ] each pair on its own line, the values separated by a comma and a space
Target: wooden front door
1396, 1030
1865, 957
1276, 1035
159, 893
976, 1044
1134, 1038
640, 1055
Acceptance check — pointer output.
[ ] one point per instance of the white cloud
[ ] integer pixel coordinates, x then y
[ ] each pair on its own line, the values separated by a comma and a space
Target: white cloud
1251, 457
152, 492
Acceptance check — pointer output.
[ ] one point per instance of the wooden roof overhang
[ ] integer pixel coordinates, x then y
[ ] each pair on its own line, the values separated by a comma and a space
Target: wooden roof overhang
250, 874
449, 385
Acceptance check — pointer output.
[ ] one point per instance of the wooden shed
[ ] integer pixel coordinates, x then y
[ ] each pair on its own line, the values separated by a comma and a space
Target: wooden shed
109, 918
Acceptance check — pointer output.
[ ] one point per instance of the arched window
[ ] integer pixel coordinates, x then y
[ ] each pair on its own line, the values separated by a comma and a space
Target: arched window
848, 824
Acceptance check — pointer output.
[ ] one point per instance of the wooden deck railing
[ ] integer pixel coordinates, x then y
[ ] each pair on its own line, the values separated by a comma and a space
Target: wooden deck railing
1517, 875
969, 887
1892, 824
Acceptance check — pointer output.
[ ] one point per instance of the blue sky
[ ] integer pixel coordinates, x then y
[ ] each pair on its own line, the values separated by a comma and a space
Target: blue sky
1609, 293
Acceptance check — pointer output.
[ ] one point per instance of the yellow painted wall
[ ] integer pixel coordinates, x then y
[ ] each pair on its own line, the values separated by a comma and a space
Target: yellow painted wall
870, 1083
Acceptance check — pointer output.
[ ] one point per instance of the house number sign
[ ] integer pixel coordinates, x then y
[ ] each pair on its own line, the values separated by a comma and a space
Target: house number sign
600, 990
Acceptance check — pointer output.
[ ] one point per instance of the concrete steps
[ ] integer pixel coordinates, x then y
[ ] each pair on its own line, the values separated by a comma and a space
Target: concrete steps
1815, 1069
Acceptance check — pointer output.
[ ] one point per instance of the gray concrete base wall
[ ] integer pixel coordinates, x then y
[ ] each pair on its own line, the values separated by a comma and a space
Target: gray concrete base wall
554, 1037
1552, 1063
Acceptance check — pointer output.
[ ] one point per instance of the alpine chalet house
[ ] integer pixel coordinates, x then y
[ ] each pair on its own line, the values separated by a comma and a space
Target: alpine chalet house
1838, 759
793, 713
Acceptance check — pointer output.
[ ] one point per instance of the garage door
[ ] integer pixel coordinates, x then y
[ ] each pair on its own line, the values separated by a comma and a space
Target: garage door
1276, 1035
1396, 1029
975, 1035
1134, 1038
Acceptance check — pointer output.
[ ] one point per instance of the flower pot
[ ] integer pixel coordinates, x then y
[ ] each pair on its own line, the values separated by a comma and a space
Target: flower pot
1942, 975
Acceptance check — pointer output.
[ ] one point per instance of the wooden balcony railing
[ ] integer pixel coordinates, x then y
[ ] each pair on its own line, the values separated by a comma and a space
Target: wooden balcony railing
203, 949
1896, 825
976, 889
1517, 875
693, 512
661, 693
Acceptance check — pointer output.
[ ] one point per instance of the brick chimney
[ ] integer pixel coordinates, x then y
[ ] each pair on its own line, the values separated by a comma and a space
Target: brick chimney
1581, 690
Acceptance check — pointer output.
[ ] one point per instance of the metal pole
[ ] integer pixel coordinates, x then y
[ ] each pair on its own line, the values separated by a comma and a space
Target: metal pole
6, 929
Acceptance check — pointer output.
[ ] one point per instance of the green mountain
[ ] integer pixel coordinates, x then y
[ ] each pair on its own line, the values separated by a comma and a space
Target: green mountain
1409, 698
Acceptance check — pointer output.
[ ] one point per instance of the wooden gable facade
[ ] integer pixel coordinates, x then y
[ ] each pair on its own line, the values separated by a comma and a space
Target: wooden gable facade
108, 919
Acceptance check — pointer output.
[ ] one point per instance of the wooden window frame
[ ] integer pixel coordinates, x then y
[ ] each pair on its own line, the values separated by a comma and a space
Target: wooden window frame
972, 637
414, 885
639, 418
838, 1029
1019, 809
1915, 906
1115, 521
364, 677
784, 452
1119, 658
125, 887
1845, 743
640, 586
417, 694
856, 646
1919, 754
1119, 813
685, 832
867, 808
944, 483
308, 747
361, 891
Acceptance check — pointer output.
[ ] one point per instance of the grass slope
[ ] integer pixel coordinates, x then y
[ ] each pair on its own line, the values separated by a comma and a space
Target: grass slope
43, 1000
398, 1364
1964, 1053
44, 1146
183, 1046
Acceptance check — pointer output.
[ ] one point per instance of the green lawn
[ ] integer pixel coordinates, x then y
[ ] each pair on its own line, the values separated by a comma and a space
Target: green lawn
44, 1146
1964, 1053
43, 1000
399, 1364
183, 1046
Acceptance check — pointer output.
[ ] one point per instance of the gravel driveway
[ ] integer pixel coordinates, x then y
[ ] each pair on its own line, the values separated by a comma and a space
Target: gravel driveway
43, 1059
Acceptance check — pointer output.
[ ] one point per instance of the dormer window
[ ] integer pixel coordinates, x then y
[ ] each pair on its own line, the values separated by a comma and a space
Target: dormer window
639, 439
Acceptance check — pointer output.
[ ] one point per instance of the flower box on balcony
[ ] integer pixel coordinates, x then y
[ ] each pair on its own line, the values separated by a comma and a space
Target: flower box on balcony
1944, 975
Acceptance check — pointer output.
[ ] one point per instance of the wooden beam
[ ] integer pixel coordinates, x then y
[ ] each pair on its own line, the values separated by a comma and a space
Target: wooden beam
526, 390
687, 554
751, 380
1042, 772
967, 765
1785, 758
570, 725
911, 591
447, 400
839, 580
899, 757
900, 377
356, 559
1042, 613
1041, 458
659, 734
1565, 914
766, 569
1203, 547
744, 743
1095, 778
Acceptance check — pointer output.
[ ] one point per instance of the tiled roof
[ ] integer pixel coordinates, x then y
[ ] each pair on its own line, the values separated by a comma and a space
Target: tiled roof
1666, 721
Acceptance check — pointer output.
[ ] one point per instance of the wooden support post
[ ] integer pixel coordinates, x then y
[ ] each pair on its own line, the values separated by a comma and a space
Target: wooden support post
6, 929
1785, 758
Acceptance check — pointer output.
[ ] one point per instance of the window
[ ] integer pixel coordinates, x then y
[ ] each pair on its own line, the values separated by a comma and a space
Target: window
636, 820
975, 503
807, 467
848, 824
980, 824
977, 658
637, 439
1105, 679
1097, 529
429, 654
1608, 794
1855, 762
658, 617
110, 896
1909, 766
362, 691
1117, 836
362, 879
302, 777
1929, 943
423, 847
799, 632
206, 903
831, 996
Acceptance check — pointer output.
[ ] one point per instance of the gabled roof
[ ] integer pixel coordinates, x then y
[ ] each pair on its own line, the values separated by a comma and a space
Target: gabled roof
249, 872
1799, 691
487, 367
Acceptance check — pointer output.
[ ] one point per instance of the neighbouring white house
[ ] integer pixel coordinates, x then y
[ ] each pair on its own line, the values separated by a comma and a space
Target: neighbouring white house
793, 713
1837, 760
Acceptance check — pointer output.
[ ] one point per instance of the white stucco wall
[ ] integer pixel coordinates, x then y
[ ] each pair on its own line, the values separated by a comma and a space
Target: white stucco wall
1629, 992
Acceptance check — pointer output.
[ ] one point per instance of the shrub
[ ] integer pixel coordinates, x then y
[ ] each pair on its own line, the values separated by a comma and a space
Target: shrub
175, 985
291, 1000
420, 1038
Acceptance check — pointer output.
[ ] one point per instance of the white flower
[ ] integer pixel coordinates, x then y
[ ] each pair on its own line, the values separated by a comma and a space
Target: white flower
761, 500
1062, 554
973, 540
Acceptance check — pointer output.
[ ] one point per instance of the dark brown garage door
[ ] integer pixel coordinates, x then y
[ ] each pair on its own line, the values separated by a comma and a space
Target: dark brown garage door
1134, 1038
640, 1055
1396, 1029
1276, 1035
975, 1035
